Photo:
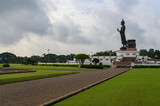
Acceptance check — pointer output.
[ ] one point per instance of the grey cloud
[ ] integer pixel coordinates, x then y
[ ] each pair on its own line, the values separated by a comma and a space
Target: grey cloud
88, 23
69, 32
108, 21
135, 31
20, 17
126, 5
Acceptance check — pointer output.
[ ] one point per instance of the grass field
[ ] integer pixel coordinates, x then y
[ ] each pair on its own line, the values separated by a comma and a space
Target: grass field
19, 66
10, 78
137, 87
42, 72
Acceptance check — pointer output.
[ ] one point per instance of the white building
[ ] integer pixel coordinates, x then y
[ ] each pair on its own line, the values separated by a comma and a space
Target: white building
109, 60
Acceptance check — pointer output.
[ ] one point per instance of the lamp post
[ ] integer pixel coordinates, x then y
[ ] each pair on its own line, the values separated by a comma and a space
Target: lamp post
155, 58
110, 58
91, 54
48, 55
91, 59
143, 59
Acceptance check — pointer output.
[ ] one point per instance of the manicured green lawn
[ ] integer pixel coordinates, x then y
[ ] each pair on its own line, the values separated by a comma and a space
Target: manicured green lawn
10, 78
137, 87
42, 72
19, 66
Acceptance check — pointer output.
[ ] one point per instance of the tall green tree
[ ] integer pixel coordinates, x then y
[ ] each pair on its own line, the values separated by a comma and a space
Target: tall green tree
8, 57
57, 60
35, 59
143, 52
157, 53
105, 53
151, 53
81, 58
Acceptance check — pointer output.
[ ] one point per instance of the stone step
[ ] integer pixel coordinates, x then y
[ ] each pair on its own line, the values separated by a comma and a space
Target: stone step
114, 66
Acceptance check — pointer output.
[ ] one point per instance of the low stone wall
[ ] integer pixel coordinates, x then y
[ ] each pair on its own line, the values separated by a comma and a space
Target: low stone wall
13, 71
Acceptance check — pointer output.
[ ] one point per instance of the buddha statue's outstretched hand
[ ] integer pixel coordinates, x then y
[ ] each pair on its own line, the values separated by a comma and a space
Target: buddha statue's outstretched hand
118, 30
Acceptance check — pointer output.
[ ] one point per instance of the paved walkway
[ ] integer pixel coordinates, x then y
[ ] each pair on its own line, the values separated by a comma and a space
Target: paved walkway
37, 92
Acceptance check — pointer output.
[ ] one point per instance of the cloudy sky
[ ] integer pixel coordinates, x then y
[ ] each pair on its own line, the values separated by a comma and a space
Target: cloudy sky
30, 27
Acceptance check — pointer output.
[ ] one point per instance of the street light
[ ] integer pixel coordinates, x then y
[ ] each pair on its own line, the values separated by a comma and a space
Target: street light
48, 55
155, 58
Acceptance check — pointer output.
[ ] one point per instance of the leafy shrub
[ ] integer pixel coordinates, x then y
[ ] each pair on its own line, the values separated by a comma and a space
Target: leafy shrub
95, 61
100, 64
6, 65
107, 66
146, 66
63, 65
93, 66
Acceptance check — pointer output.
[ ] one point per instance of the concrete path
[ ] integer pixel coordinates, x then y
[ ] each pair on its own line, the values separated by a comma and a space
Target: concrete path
37, 92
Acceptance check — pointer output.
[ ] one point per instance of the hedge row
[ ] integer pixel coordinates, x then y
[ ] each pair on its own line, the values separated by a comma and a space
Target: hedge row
146, 66
108, 66
93, 66
6, 65
64, 65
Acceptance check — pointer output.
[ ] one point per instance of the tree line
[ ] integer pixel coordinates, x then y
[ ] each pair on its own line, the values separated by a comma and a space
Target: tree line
150, 53
105, 53
49, 58
143, 52
53, 58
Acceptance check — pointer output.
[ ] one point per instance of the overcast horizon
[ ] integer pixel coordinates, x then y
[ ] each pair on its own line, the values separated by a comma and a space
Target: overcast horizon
30, 27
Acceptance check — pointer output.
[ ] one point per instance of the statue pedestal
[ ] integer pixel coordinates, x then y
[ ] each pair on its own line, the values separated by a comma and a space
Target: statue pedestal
129, 52
126, 57
131, 49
